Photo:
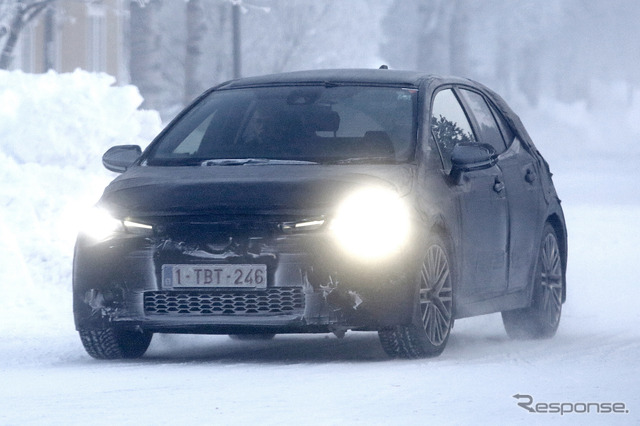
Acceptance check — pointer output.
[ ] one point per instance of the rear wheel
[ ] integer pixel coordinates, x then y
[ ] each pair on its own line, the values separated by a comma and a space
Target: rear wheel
542, 318
112, 343
429, 331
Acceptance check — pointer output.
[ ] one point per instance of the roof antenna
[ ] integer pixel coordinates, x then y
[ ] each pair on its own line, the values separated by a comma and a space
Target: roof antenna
384, 67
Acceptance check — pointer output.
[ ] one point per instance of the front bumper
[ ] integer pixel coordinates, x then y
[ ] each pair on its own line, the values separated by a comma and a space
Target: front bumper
311, 286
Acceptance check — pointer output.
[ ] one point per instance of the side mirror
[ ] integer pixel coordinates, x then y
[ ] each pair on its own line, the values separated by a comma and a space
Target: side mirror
467, 157
119, 158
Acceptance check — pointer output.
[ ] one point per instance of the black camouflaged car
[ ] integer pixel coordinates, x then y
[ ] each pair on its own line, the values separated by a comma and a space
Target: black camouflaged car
325, 201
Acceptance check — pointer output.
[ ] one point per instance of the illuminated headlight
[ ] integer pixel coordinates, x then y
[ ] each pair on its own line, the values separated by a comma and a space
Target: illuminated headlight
372, 223
99, 225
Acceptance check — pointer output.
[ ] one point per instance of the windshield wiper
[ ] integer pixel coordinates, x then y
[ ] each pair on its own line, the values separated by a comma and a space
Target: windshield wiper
251, 162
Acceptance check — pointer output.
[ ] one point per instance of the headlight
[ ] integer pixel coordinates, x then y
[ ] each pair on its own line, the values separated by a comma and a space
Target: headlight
372, 223
99, 225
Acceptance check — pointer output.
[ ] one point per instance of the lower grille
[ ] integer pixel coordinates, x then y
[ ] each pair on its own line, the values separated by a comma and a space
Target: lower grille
279, 300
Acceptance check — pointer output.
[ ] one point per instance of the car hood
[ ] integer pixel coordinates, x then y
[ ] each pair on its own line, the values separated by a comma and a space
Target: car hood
248, 189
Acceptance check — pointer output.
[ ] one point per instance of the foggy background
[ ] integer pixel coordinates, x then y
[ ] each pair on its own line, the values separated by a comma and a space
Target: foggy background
572, 51
569, 50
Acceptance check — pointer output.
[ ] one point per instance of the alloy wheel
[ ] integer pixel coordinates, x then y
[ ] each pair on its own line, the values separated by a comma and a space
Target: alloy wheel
550, 281
436, 295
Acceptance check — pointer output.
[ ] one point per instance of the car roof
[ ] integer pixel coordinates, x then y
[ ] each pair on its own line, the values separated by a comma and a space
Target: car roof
358, 76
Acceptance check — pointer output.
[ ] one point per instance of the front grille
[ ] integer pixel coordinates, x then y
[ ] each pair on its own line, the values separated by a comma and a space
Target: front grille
278, 300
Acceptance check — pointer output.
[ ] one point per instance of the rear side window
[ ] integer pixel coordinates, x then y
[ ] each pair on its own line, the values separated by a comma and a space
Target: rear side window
449, 125
507, 133
488, 131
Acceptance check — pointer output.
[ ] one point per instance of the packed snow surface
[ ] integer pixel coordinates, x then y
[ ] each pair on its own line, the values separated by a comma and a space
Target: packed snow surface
53, 131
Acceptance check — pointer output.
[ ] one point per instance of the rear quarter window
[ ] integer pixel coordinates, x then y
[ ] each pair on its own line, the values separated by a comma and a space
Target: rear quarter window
488, 130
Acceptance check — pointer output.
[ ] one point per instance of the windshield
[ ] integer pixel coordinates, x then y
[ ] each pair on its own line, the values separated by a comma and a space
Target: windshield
293, 125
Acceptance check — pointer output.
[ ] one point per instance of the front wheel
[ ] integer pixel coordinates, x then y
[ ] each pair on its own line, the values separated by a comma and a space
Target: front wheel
429, 331
541, 319
111, 343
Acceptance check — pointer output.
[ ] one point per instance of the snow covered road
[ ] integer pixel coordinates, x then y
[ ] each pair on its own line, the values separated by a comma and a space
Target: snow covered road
324, 380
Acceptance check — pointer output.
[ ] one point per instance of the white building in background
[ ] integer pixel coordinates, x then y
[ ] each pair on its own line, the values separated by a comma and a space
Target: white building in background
74, 34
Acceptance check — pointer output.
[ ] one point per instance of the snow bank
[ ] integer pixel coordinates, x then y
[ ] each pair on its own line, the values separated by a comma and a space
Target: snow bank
69, 119
54, 129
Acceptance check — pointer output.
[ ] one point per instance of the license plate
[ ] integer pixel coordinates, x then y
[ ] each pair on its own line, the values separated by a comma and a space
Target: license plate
235, 276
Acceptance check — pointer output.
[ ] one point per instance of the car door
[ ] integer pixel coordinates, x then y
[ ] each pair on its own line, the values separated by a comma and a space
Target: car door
526, 207
522, 186
482, 205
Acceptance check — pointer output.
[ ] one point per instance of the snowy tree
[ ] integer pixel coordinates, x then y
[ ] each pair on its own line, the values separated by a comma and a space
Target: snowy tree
428, 35
14, 17
195, 41
521, 34
499, 42
523, 49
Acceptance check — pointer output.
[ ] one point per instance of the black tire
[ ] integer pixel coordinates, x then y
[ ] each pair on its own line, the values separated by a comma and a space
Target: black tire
263, 336
542, 318
111, 343
432, 321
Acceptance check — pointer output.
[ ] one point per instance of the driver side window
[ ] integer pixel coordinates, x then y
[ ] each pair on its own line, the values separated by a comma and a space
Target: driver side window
449, 125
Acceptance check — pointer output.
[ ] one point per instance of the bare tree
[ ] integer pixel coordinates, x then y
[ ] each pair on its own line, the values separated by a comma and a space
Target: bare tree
287, 35
428, 35
14, 17
145, 64
196, 28
459, 38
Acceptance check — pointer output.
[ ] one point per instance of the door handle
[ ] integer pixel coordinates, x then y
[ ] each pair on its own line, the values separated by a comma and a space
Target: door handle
530, 176
498, 186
